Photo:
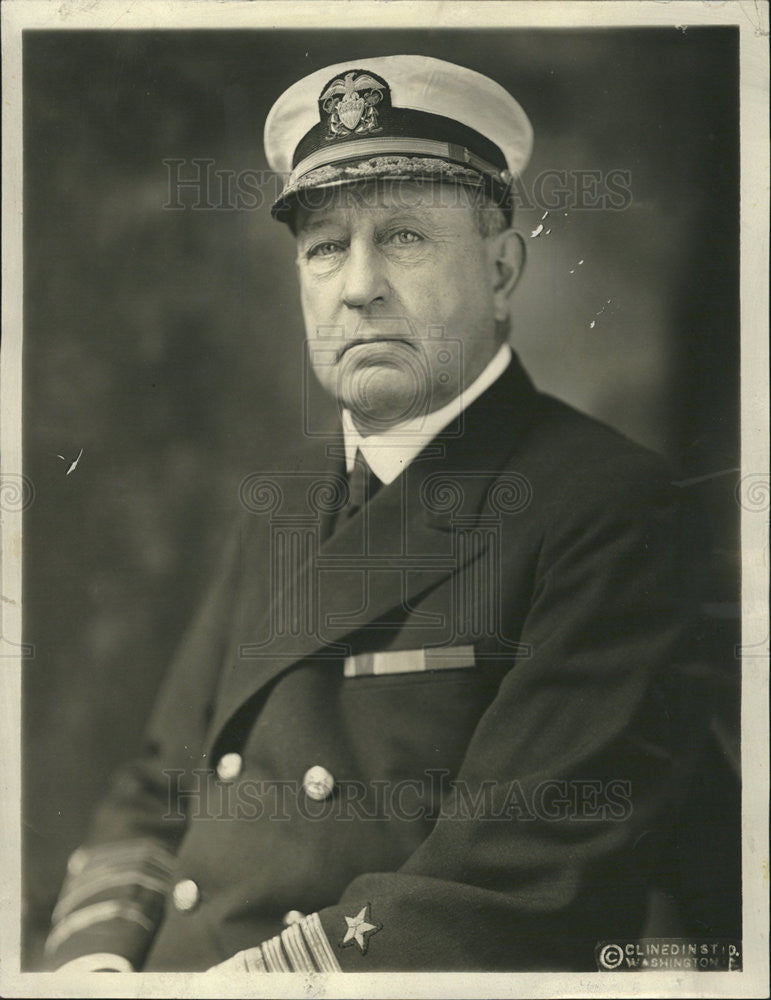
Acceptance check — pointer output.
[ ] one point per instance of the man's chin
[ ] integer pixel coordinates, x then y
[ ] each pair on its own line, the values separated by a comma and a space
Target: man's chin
378, 419
383, 393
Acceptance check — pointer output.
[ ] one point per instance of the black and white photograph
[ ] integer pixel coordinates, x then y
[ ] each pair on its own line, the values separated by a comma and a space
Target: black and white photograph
385, 499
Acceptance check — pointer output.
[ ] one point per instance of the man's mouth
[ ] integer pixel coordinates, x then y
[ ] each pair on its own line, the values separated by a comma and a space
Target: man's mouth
372, 342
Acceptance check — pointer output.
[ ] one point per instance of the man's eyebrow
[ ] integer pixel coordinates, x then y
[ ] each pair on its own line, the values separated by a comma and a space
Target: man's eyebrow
403, 215
316, 223
424, 219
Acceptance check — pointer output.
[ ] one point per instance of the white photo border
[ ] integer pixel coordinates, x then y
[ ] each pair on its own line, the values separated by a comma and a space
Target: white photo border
752, 19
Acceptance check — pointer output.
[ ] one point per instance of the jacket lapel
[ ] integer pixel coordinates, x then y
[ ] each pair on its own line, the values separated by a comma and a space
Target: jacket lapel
325, 589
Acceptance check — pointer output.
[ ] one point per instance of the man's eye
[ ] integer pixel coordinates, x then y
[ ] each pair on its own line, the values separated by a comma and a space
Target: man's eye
405, 236
324, 249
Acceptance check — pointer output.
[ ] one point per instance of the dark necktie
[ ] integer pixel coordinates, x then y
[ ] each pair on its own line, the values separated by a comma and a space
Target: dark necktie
363, 484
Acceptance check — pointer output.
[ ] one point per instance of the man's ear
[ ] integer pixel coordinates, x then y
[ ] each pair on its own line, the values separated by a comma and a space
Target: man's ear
506, 253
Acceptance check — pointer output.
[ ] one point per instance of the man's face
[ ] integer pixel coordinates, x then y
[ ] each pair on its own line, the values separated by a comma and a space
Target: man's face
397, 288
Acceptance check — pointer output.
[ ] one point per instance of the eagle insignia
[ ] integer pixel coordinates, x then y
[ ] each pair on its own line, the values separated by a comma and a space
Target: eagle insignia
351, 101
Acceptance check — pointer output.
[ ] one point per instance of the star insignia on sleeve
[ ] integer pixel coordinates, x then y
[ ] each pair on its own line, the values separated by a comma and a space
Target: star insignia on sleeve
360, 929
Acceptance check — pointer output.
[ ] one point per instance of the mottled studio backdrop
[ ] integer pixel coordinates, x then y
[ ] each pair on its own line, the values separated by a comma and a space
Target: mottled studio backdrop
167, 345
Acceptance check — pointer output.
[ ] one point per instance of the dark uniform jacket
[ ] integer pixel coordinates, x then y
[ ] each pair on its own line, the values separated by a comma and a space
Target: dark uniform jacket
447, 727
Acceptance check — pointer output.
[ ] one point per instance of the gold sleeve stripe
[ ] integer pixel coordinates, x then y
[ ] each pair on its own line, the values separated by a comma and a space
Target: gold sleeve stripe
273, 953
81, 891
91, 868
318, 944
301, 947
121, 852
253, 960
294, 946
110, 909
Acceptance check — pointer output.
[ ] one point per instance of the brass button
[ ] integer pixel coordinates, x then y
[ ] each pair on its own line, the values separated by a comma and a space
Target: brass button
292, 917
318, 783
186, 895
229, 766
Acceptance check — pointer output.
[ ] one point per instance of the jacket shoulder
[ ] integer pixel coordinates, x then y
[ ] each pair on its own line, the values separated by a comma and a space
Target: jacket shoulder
572, 446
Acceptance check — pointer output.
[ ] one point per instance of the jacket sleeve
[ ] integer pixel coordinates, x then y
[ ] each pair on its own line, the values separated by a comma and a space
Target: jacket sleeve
116, 884
543, 846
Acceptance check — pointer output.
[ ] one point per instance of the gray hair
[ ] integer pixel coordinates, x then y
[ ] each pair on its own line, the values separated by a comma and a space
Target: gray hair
490, 217
491, 220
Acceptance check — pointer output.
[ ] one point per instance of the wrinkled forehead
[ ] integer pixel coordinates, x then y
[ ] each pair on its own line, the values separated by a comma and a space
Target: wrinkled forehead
384, 198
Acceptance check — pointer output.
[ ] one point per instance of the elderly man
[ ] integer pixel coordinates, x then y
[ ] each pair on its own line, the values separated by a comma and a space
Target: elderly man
433, 709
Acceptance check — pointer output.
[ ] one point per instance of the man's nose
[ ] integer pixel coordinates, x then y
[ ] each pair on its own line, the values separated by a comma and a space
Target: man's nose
364, 281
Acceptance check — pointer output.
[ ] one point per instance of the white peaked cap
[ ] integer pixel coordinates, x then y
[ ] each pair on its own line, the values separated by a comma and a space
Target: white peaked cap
388, 116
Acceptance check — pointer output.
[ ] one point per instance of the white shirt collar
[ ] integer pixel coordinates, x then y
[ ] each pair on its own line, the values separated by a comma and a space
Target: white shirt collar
388, 454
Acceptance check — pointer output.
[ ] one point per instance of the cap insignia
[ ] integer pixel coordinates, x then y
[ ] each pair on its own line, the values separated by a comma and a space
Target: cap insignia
350, 101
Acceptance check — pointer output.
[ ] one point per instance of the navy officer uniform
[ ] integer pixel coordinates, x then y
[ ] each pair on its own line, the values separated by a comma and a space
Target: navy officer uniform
435, 705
